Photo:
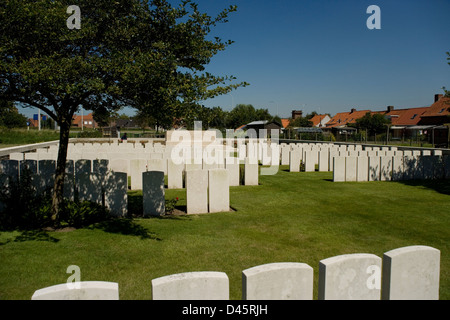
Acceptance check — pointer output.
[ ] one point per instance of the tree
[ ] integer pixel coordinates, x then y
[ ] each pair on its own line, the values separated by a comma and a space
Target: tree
302, 122
447, 92
373, 123
127, 52
10, 116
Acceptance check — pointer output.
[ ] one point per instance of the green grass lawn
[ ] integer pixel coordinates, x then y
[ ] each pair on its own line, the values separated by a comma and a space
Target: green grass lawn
289, 217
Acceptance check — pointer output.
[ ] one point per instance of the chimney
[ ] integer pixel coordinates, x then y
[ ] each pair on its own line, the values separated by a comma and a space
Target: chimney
297, 114
352, 110
390, 108
437, 97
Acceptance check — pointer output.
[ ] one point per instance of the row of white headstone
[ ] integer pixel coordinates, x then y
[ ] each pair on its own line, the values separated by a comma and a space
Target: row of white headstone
206, 190
385, 163
391, 168
408, 273
158, 158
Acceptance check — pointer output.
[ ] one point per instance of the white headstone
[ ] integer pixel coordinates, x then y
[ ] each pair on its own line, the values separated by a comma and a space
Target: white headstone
350, 277
339, 169
232, 166
278, 281
324, 160
411, 273
374, 168
191, 286
294, 160
116, 198
350, 169
153, 195
397, 168
90, 187
46, 175
219, 190
362, 164
385, 168
310, 160
174, 174
84, 290
137, 167
251, 171
197, 191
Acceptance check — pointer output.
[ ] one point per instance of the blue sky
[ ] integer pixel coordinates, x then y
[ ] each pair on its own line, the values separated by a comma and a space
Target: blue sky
319, 55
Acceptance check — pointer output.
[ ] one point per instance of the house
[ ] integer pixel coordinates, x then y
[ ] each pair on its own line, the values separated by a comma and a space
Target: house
263, 124
404, 122
84, 121
320, 120
436, 119
339, 124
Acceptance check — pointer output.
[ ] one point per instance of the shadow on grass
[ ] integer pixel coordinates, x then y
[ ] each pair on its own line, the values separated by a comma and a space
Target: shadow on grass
32, 235
441, 186
125, 226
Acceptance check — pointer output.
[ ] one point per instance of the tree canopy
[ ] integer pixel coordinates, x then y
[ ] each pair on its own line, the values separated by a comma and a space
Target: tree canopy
373, 123
148, 55
10, 116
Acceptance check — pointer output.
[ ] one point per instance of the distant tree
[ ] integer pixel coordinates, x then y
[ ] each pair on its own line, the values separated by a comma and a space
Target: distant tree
447, 92
302, 121
277, 119
374, 124
240, 115
10, 116
246, 113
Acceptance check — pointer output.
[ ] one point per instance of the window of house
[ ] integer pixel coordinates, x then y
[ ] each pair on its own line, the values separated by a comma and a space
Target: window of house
414, 116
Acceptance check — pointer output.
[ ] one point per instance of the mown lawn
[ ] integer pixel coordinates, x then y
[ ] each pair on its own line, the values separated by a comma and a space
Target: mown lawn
289, 217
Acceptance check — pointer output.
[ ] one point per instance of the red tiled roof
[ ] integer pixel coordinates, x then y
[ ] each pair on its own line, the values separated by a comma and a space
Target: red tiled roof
317, 119
439, 108
285, 123
76, 120
344, 118
406, 117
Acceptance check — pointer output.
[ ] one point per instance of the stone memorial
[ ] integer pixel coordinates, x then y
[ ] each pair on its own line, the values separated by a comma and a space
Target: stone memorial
339, 169
350, 277
191, 286
278, 281
87, 290
116, 198
174, 174
137, 167
251, 172
219, 190
411, 273
362, 165
350, 169
197, 191
153, 195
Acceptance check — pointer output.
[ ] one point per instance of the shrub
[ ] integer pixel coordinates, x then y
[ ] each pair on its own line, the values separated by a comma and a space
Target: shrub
170, 205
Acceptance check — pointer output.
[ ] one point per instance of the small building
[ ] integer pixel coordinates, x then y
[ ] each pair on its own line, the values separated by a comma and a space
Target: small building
84, 121
266, 125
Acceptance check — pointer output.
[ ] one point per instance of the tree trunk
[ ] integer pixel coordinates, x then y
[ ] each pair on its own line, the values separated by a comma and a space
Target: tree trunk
58, 190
